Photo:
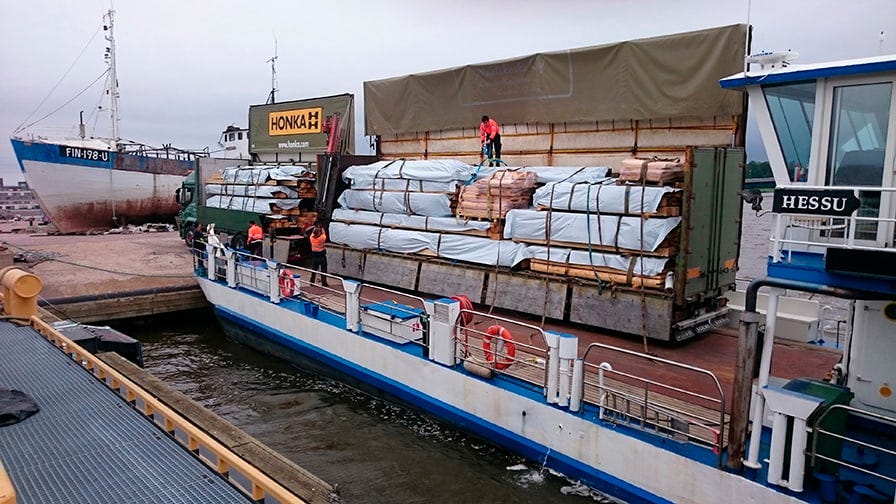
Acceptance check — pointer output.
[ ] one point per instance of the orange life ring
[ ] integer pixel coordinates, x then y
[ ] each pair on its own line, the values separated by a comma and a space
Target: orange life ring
287, 284
505, 338
465, 304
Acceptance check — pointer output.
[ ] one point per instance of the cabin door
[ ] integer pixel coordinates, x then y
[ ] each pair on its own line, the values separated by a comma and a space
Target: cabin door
860, 143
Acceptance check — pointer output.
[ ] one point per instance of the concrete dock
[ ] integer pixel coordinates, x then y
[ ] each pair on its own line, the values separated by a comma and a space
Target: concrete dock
92, 278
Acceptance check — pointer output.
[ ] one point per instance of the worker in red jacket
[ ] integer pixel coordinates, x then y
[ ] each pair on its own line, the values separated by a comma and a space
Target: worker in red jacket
254, 239
490, 136
317, 235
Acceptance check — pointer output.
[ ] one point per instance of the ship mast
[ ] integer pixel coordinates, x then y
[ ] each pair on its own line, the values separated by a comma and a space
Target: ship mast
112, 88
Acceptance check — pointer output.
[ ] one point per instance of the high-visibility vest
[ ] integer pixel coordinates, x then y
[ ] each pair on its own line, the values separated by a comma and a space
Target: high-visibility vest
489, 130
318, 243
255, 233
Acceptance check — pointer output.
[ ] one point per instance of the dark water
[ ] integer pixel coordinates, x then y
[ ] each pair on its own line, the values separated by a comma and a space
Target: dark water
372, 449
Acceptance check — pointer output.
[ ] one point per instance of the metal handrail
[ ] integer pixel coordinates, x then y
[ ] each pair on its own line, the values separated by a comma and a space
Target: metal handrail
816, 427
543, 350
719, 400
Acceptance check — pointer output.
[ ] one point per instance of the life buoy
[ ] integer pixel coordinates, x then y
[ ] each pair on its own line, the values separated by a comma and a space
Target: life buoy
287, 284
466, 306
505, 339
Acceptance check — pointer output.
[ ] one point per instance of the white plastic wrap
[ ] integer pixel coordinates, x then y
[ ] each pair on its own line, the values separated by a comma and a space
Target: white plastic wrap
255, 191
415, 222
450, 246
406, 185
261, 174
257, 205
648, 266
444, 170
427, 204
600, 197
608, 230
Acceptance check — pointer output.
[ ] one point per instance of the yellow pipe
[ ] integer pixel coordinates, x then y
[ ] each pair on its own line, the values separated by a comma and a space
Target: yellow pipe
7, 491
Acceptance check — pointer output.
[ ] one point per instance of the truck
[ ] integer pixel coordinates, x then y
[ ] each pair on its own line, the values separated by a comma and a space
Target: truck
305, 137
566, 109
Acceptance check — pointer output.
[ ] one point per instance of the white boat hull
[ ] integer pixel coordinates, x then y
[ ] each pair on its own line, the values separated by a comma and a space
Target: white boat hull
513, 416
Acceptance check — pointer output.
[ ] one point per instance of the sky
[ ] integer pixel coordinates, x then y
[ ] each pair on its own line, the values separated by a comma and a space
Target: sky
189, 68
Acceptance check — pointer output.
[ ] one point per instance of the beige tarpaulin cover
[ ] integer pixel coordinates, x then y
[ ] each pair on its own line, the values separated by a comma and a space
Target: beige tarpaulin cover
672, 76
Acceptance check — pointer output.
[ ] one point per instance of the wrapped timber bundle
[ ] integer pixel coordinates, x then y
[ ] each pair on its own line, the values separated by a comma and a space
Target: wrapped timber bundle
414, 222
614, 233
653, 170
493, 196
419, 187
635, 271
276, 191
607, 197
449, 246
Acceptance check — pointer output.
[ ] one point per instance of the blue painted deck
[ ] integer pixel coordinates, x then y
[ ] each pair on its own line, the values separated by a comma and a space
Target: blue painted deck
87, 444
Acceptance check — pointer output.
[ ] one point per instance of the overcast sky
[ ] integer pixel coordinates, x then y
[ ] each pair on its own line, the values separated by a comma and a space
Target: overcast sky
187, 69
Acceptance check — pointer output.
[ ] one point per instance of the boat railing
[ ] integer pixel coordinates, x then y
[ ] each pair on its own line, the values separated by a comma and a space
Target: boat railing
858, 231
867, 454
689, 406
527, 361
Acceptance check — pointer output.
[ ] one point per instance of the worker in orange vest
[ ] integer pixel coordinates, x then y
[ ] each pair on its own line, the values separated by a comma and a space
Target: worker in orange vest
318, 239
254, 239
490, 136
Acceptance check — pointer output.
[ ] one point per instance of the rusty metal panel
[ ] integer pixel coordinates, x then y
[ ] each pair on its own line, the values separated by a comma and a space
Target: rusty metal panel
390, 270
622, 310
450, 280
344, 261
526, 293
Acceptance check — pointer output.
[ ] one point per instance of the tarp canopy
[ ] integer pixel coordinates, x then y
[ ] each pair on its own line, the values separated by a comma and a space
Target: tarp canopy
667, 77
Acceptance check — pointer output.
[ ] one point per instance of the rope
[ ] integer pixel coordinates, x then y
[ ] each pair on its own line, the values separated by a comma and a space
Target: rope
43, 256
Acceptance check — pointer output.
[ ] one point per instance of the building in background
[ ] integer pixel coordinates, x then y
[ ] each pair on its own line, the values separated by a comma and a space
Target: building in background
18, 201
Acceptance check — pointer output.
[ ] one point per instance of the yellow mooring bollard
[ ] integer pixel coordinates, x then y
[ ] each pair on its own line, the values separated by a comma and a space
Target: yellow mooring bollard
20, 290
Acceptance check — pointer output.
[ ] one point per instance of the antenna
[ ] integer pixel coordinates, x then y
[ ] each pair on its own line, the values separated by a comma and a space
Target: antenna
880, 44
272, 98
112, 89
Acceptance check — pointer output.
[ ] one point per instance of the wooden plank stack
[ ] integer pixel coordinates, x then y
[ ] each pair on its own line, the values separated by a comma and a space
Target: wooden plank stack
588, 272
490, 198
653, 171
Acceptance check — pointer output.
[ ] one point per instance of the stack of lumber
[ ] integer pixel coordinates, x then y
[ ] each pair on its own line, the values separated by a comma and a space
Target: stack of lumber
608, 197
654, 170
269, 190
492, 197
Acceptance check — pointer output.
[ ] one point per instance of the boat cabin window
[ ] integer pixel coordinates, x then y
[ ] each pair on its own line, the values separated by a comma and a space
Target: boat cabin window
239, 135
792, 109
859, 126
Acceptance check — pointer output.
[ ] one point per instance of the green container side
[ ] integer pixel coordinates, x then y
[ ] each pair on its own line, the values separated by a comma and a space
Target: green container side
713, 234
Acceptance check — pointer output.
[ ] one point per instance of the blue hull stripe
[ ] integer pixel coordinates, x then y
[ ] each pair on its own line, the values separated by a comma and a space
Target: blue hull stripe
49, 153
474, 424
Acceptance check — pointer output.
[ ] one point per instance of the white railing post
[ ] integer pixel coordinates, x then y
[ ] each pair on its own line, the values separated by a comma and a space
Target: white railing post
553, 342
210, 263
230, 256
273, 281
765, 364
569, 345
352, 304
578, 385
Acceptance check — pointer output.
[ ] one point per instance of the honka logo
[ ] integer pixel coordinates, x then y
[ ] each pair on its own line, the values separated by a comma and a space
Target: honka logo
295, 122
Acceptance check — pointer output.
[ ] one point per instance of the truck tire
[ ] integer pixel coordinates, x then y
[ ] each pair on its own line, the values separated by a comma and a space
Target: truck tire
238, 241
188, 238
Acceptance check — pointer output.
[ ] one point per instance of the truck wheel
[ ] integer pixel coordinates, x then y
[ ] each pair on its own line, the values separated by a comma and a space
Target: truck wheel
188, 238
238, 241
